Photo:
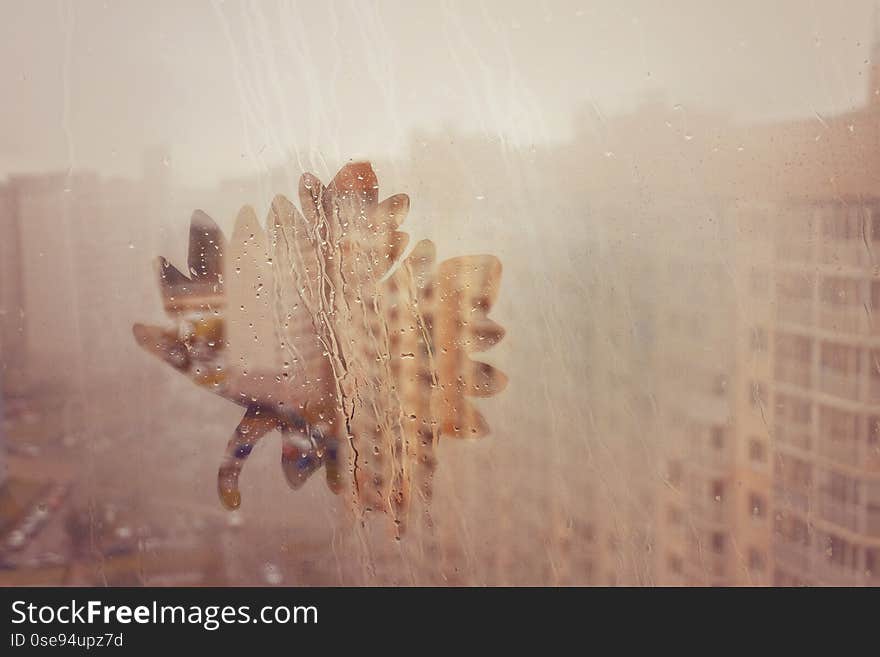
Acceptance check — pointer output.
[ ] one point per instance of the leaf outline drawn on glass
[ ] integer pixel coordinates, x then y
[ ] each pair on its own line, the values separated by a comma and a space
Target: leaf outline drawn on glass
319, 327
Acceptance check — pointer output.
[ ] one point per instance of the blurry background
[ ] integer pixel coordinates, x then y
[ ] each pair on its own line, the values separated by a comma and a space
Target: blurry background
685, 200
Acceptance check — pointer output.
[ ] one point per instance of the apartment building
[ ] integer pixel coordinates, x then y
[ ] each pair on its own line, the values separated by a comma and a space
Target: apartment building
759, 289
826, 452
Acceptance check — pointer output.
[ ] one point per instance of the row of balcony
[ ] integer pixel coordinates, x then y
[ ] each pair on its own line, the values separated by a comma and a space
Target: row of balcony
862, 518
794, 435
808, 562
791, 498
849, 319
852, 386
846, 253
855, 453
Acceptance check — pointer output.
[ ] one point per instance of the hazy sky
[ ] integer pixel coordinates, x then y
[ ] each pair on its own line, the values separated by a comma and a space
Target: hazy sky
231, 87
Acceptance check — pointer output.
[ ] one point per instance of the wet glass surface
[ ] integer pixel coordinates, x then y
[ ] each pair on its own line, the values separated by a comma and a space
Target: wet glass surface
569, 293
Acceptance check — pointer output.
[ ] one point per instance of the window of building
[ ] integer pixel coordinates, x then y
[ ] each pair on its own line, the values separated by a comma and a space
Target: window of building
875, 225
757, 560
793, 419
758, 339
717, 437
757, 505
843, 489
793, 358
799, 532
840, 432
840, 358
838, 291
875, 289
843, 224
792, 473
800, 411
874, 365
793, 347
794, 286
586, 532
757, 450
874, 432
841, 552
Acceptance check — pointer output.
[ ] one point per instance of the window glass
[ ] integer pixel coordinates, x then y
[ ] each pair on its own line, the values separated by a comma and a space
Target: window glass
439, 293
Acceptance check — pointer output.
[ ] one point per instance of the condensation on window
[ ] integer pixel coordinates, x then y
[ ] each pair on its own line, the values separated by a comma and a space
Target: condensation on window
512, 293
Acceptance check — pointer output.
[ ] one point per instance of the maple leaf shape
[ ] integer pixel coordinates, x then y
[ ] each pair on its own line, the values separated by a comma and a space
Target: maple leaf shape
319, 327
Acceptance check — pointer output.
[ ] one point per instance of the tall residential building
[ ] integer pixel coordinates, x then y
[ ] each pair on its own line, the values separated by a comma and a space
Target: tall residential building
826, 394
738, 347
812, 290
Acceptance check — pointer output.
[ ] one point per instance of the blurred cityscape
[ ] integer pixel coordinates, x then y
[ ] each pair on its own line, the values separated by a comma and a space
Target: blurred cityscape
694, 369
